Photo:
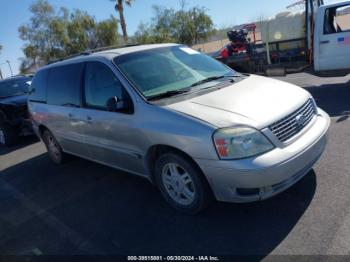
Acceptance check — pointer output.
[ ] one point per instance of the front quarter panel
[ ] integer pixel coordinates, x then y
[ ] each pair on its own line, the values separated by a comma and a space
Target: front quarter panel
162, 126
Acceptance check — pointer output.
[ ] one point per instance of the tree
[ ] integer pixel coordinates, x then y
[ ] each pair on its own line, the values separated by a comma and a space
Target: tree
52, 35
106, 32
119, 7
81, 32
37, 33
182, 26
144, 35
192, 25
202, 25
162, 21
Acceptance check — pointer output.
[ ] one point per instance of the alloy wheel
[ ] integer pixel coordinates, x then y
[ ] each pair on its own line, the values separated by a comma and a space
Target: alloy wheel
178, 184
53, 147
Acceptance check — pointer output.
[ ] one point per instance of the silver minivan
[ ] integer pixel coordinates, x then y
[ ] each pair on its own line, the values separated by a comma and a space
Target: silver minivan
192, 126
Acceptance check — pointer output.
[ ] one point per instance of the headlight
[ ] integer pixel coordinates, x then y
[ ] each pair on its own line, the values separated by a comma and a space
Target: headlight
240, 142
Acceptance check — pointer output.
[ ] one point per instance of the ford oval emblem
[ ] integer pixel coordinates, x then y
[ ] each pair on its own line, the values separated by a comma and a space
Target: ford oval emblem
300, 120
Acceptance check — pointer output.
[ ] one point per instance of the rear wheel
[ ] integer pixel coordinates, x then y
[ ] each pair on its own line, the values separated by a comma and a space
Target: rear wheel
182, 184
53, 148
8, 135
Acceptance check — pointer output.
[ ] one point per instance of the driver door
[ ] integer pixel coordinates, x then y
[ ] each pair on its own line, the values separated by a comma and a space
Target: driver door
110, 135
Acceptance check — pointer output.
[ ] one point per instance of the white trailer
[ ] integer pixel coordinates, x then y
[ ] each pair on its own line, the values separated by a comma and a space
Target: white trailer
318, 37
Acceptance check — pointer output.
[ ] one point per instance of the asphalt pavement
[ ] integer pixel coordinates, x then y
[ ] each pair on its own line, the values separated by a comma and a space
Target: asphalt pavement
86, 208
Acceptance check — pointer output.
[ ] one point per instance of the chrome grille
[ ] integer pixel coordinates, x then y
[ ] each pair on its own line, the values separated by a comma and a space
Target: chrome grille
295, 122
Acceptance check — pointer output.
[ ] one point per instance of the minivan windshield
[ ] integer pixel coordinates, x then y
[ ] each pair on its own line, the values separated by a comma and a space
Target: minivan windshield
170, 70
14, 87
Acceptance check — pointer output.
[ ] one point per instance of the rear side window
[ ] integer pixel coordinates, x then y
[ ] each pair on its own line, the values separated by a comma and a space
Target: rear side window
100, 85
64, 85
38, 87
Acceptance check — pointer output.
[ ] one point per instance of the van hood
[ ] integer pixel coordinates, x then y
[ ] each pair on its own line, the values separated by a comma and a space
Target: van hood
256, 101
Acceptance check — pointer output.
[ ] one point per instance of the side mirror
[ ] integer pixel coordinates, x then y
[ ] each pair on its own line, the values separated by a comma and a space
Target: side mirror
114, 104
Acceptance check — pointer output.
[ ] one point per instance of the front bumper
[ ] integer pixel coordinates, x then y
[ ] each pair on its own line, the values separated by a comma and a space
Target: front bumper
269, 174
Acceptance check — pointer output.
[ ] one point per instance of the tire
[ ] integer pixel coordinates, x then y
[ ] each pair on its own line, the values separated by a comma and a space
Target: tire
53, 148
8, 135
181, 184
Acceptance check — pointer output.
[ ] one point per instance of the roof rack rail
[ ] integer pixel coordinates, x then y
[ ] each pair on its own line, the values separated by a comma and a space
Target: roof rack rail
91, 51
106, 48
67, 57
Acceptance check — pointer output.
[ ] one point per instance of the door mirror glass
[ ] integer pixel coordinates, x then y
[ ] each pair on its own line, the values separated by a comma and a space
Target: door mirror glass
111, 104
114, 104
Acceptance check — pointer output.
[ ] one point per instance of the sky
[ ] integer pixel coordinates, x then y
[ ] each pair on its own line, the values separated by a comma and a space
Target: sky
224, 13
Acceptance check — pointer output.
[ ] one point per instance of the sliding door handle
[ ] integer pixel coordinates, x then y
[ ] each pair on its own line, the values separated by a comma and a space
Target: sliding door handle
73, 119
89, 119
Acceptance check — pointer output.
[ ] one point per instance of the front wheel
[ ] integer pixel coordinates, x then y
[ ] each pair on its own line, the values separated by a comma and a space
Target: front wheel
182, 185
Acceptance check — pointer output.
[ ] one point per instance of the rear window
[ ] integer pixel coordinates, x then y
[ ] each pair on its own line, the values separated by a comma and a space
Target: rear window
14, 87
64, 85
38, 87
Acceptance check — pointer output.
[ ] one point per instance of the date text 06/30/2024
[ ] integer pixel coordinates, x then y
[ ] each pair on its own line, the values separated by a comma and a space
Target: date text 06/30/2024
173, 258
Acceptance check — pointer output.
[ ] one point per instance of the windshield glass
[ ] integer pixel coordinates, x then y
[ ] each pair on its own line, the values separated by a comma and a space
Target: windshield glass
14, 87
161, 70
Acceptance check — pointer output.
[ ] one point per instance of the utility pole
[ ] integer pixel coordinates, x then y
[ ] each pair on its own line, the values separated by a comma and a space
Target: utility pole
8, 62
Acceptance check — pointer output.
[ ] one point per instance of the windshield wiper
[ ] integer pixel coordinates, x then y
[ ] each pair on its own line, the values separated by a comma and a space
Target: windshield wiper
168, 94
210, 79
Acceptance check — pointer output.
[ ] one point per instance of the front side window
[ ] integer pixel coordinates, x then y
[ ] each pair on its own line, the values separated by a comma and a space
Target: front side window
101, 84
167, 69
337, 20
14, 87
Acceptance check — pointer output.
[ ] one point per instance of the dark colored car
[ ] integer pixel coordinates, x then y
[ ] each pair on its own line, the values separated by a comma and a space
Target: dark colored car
14, 117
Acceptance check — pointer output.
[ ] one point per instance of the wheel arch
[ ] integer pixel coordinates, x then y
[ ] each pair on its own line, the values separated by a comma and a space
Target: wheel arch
41, 129
156, 150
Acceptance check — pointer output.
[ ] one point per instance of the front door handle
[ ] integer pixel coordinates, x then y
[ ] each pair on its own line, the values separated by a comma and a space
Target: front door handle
324, 42
72, 118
